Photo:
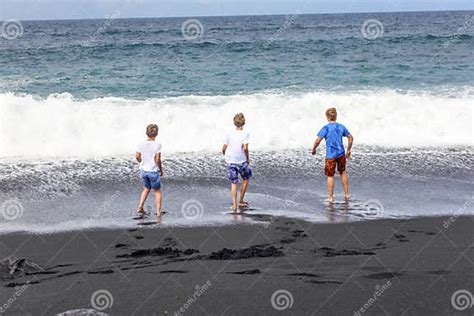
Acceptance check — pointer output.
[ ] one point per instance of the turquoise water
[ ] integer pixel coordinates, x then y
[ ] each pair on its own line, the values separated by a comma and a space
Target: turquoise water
144, 58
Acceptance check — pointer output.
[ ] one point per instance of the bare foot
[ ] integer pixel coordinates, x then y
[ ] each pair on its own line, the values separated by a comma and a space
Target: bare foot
347, 197
243, 205
331, 199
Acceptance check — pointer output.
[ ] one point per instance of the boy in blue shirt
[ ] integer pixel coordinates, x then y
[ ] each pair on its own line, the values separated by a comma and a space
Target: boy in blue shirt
332, 133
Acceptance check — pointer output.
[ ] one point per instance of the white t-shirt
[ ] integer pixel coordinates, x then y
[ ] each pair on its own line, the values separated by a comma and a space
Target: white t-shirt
235, 141
149, 149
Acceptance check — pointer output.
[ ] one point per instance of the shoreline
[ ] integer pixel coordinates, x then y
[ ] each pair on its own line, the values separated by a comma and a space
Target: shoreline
255, 220
66, 196
415, 265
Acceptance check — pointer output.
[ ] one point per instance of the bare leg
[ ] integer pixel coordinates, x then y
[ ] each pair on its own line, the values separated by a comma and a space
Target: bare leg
158, 202
143, 197
158, 219
331, 189
233, 190
345, 185
243, 189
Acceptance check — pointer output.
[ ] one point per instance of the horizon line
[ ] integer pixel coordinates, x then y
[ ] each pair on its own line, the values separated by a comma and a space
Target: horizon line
240, 15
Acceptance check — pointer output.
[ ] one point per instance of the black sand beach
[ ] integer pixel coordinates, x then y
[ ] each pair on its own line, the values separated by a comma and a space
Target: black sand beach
382, 267
81, 80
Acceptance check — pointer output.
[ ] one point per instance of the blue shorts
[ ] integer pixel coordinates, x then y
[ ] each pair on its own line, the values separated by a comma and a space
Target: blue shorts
151, 179
234, 169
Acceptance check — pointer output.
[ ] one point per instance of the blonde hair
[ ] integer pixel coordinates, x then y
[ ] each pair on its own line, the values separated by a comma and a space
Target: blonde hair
152, 130
239, 120
331, 114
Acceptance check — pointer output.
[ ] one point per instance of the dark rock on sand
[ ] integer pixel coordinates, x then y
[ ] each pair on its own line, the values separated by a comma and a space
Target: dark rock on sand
173, 271
254, 271
401, 237
42, 272
324, 282
246, 253
288, 240
160, 251
190, 251
12, 267
438, 272
299, 233
384, 275
304, 274
331, 252
16, 284
107, 271
169, 242
421, 232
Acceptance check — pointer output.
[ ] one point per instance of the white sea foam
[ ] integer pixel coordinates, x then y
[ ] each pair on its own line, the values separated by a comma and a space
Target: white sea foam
63, 126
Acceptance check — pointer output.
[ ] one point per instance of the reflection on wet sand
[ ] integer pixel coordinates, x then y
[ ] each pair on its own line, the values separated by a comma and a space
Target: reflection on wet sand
338, 212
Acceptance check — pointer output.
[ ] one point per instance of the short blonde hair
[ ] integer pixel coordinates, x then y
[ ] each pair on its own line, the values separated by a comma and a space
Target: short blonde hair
152, 130
331, 114
239, 120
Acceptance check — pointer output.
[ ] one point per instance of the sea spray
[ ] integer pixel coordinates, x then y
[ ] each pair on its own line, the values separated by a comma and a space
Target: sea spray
63, 126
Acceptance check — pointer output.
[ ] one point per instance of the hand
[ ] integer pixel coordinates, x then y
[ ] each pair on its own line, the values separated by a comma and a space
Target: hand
161, 173
348, 154
248, 161
313, 152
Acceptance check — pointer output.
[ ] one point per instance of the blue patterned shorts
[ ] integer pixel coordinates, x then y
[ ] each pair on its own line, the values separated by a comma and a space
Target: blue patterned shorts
151, 180
234, 169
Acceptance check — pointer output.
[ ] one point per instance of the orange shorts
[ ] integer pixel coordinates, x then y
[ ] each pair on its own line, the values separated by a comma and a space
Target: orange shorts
330, 166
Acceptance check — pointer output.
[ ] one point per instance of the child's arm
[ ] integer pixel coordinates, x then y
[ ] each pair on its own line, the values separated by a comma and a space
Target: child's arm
158, 163
315, 145
349, 146
224, 148
138, 156
246, 151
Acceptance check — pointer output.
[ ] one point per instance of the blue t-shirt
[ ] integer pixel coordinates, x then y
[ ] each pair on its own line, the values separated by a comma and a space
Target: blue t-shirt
333, 133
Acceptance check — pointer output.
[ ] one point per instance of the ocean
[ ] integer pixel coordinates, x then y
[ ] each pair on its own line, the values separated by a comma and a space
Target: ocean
76, 95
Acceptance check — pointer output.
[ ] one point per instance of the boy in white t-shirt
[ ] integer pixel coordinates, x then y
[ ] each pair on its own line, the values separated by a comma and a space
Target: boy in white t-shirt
148, 154
236, 154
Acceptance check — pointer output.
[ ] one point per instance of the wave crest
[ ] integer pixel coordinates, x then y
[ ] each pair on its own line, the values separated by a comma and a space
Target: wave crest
63, 126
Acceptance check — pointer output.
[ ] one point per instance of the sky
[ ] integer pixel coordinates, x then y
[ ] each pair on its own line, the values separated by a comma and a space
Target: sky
90, 9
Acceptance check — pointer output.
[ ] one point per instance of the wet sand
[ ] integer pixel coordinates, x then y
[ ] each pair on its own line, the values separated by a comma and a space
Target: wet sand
381, 267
